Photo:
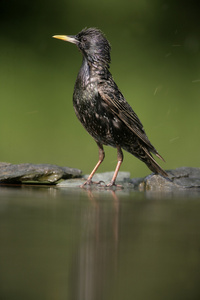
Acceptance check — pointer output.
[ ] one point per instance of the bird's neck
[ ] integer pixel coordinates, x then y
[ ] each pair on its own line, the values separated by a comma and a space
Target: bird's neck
92, 72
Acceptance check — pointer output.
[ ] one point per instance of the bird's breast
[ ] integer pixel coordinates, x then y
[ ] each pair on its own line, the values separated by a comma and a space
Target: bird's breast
93, 112
85, 100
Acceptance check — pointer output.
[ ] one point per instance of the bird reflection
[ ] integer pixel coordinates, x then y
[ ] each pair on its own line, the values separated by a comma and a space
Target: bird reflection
95, 262
115, 204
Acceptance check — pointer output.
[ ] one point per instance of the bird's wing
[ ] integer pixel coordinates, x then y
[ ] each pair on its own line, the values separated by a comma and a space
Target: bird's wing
110, 94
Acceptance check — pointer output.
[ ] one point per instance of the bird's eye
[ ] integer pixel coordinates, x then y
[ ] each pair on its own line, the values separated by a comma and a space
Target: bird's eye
84, 39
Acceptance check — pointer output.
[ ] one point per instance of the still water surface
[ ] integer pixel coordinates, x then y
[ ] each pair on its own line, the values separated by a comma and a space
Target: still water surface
90, 245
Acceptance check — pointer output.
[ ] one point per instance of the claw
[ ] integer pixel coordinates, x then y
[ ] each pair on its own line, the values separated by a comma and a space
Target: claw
90, 182
113, 185
87, 182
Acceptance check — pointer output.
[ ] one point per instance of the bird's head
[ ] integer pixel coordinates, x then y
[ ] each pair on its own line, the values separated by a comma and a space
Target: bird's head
93, 45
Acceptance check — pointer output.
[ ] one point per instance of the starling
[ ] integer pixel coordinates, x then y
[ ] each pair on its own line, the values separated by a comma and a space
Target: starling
101, 107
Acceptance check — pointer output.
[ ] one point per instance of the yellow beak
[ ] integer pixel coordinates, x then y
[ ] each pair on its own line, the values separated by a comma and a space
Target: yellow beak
66, 38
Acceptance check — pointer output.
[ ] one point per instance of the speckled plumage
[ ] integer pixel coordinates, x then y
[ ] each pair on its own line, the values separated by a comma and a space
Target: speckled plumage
101, 107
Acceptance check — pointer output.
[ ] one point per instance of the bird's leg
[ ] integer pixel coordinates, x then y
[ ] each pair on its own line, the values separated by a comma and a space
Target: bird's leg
101, 158
119, 162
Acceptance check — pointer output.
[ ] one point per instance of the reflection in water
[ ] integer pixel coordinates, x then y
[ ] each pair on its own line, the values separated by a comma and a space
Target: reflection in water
82, 244
96, 259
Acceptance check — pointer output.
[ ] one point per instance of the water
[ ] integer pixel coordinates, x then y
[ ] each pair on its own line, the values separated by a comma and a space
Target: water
78, 244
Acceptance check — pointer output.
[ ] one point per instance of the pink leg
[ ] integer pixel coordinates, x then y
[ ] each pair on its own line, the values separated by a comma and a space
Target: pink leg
120, 160
101, 158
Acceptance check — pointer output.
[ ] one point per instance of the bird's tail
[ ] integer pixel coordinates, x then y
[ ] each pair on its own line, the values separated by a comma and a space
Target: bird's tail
153, 165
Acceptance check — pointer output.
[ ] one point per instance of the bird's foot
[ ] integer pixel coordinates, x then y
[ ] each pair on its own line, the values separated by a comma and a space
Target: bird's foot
90, 182
101, 184
113, 185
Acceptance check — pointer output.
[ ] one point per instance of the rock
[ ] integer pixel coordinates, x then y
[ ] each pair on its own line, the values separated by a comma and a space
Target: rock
186, 177
40, 173
179, 179
156, 183
107, 176
71, 183
104, 178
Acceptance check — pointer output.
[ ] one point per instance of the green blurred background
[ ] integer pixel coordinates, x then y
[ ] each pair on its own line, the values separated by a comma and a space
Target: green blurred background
155, 62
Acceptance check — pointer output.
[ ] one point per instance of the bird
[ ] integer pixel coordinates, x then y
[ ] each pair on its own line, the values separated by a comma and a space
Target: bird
101, 107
